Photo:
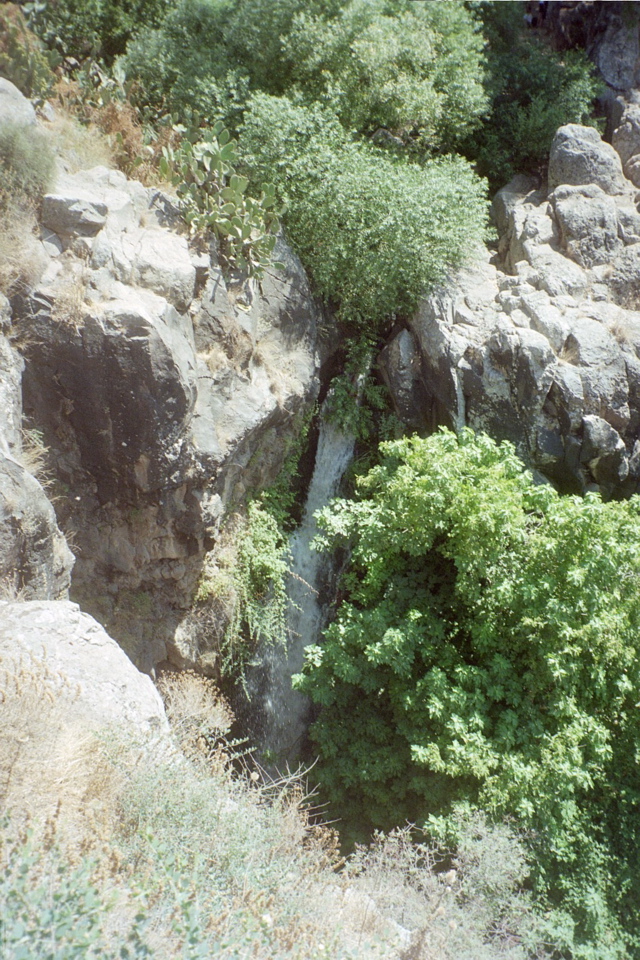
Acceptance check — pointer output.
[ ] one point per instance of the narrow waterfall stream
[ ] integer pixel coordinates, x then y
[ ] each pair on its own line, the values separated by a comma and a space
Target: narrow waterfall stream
282, 712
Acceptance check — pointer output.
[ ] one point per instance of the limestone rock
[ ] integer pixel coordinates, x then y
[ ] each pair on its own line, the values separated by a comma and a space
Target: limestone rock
73, 214
400, 365
543, 350
154, 259
11, 366
626, 136
618, 53
14, 107
35, 561
579, 156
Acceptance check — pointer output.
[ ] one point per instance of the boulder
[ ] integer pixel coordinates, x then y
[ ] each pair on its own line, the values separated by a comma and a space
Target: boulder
579, 156
73, 214
626, 136
35, 561
604, 451
588, 220
79, 655
14, 107
63, 680
624, 278
151, 258
617, 54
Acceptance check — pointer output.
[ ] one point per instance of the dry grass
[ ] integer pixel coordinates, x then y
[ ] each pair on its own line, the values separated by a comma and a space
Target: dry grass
216, 359
231, 864
81, 147
34, 456
70, 305
22, 260
114, 126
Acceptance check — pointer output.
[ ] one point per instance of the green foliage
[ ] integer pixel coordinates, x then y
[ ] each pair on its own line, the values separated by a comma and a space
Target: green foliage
27, 163
21, 59
415, 69
487, 654
533, 90
52, 911
213, 198
281, 498
184, 67
374, 232
79, 28
249, 583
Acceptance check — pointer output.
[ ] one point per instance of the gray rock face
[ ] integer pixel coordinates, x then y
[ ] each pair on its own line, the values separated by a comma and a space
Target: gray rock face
35, 562
579, 157
541, 346
626, 138
588, 221
14, 107
164, 390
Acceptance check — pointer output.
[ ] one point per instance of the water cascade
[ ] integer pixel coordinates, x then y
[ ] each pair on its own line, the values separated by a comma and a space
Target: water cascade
282, 713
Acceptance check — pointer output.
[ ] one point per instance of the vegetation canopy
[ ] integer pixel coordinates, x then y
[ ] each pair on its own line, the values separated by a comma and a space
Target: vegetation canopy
486, 656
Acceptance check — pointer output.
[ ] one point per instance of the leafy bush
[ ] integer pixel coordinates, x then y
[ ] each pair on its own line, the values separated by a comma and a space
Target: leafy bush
412, 68
487, 654
533, 90
79, 28
185, 68
21, 58
374, 232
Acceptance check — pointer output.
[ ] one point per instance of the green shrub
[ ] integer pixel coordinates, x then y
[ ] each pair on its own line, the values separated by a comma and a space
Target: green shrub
533, 90
22, 60
79, 28
487, 654
374, 232
415, 69
185, 68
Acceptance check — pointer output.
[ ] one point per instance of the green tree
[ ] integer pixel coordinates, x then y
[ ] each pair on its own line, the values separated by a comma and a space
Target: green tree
486, 655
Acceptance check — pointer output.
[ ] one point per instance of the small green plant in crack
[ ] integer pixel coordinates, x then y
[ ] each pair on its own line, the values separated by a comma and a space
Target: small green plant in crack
246, 584
214, 198
280, 499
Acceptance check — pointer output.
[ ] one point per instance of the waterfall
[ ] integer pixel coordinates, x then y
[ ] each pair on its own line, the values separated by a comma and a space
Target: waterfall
281, 712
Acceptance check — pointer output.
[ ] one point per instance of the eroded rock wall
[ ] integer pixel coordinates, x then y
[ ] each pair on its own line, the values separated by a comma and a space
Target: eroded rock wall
165, 391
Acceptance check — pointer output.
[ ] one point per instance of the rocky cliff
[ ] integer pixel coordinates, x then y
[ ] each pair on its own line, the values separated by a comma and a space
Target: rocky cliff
164, 392
540, 343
